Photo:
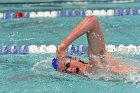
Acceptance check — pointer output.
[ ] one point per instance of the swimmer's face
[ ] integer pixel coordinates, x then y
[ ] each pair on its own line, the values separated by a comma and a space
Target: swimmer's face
72, 66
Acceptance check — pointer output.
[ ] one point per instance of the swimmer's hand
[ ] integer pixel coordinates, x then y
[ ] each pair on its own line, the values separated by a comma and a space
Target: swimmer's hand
61, 53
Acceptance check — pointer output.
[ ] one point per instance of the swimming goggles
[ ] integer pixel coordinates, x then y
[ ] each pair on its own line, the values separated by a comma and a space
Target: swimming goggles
67, 64
55, 64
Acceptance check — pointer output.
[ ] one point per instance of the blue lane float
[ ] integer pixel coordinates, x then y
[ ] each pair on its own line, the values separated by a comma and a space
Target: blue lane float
26, 15
9, 15
73, 49
4, 50
138, 11
13, 49
70, 13
134, 11
23, 49
121, 12
78, 13
126, 12
118, 12
76, 49
82, 49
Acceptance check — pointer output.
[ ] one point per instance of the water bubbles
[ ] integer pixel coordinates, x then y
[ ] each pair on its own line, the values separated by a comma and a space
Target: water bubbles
133, 78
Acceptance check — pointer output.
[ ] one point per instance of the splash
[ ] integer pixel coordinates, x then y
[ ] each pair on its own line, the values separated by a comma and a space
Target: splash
42, 67
131, 77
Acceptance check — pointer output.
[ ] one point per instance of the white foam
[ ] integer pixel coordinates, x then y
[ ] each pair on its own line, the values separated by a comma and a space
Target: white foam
133, 78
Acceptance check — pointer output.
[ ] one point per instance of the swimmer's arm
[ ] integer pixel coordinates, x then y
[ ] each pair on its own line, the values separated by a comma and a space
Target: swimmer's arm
121, 69
117, 67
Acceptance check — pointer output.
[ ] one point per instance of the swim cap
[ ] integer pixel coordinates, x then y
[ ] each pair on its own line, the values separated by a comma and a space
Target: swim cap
54, 62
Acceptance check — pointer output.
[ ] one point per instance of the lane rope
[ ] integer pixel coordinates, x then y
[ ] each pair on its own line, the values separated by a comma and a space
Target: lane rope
72, 49
70, 13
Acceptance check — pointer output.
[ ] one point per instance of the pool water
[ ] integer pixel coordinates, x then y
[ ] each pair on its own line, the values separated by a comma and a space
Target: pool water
33, 72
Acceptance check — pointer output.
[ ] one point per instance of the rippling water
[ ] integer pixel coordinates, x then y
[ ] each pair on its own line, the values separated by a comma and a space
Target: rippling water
33, 72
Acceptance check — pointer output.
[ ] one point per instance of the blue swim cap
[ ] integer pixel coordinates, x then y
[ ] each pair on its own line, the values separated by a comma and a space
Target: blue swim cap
54, 62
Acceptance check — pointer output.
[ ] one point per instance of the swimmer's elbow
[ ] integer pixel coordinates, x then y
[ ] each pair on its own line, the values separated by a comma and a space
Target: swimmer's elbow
91, 18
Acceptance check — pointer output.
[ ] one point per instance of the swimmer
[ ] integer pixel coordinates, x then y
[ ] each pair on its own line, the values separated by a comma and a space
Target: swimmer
99, 58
